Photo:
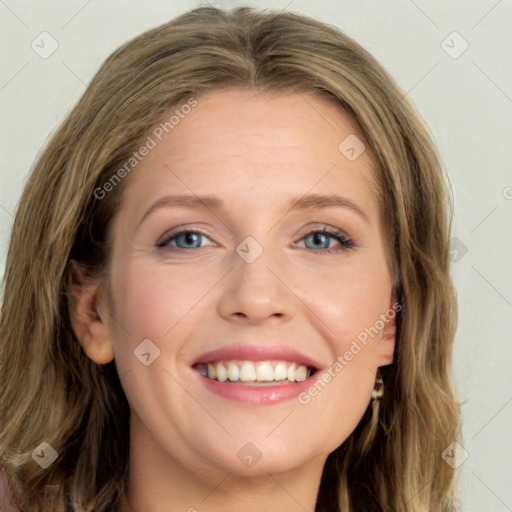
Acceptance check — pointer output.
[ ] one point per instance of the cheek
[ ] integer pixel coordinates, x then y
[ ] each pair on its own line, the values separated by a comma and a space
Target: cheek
153, 303
153, 300
348, 303
345, 304
156, 314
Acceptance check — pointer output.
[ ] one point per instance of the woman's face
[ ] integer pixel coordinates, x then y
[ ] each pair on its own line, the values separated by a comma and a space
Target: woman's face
255, 290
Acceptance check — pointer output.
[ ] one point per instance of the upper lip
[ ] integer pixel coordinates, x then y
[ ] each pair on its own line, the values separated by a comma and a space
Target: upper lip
257, 353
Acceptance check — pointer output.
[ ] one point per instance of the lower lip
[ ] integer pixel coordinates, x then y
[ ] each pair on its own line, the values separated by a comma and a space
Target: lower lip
256, 394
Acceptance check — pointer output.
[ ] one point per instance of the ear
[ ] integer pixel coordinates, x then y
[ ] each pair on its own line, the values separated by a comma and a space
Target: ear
388, 340
88, 316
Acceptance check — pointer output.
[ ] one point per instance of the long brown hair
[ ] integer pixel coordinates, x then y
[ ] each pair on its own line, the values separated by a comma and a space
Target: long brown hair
52, 392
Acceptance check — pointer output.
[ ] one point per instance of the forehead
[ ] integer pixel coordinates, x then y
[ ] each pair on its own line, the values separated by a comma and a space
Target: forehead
269, 147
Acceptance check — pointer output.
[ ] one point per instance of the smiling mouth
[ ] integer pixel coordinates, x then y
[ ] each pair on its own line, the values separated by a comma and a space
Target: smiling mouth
255, 373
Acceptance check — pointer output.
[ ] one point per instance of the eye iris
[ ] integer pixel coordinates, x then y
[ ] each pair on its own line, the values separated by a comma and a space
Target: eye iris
320, 238
194, 239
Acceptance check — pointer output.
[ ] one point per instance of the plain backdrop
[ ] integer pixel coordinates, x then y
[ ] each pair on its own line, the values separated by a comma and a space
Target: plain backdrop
452, 58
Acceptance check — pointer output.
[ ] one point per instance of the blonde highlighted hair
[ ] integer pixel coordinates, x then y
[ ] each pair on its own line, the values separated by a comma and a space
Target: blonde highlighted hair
52, 392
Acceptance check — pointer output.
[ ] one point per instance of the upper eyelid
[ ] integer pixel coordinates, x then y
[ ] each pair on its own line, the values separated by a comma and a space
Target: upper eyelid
173, 233
338, 235
330, 231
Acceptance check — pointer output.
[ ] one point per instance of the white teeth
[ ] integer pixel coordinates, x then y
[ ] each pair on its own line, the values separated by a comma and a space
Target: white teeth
249, 371
233, 372
222, 375
301, 373
290, 373
264, 372
280, 371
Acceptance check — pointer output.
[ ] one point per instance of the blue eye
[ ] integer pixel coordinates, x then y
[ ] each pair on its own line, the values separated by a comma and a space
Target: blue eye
321, 240
185, 239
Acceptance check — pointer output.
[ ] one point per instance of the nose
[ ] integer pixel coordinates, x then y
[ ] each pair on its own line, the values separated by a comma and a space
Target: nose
257, 292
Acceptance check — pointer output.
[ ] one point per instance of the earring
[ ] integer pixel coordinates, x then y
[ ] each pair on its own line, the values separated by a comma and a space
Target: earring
378, 388
377, 394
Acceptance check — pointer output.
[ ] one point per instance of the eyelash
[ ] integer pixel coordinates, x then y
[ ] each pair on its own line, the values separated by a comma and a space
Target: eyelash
345, 242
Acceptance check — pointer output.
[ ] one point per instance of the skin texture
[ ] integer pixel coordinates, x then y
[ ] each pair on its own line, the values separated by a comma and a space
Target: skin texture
257, 153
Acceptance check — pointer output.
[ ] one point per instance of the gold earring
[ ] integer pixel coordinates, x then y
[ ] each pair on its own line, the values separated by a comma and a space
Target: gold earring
377, 394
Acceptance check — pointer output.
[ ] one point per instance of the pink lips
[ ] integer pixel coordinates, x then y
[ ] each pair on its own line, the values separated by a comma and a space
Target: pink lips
257, 353
257, 395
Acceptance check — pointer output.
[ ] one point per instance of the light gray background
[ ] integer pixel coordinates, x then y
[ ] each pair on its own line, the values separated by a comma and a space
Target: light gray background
466, 101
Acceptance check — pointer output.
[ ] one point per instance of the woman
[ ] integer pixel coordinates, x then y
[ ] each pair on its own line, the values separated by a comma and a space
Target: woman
228, 284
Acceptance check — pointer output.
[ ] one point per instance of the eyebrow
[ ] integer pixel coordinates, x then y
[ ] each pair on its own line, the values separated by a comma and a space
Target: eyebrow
209, 202
323, 201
